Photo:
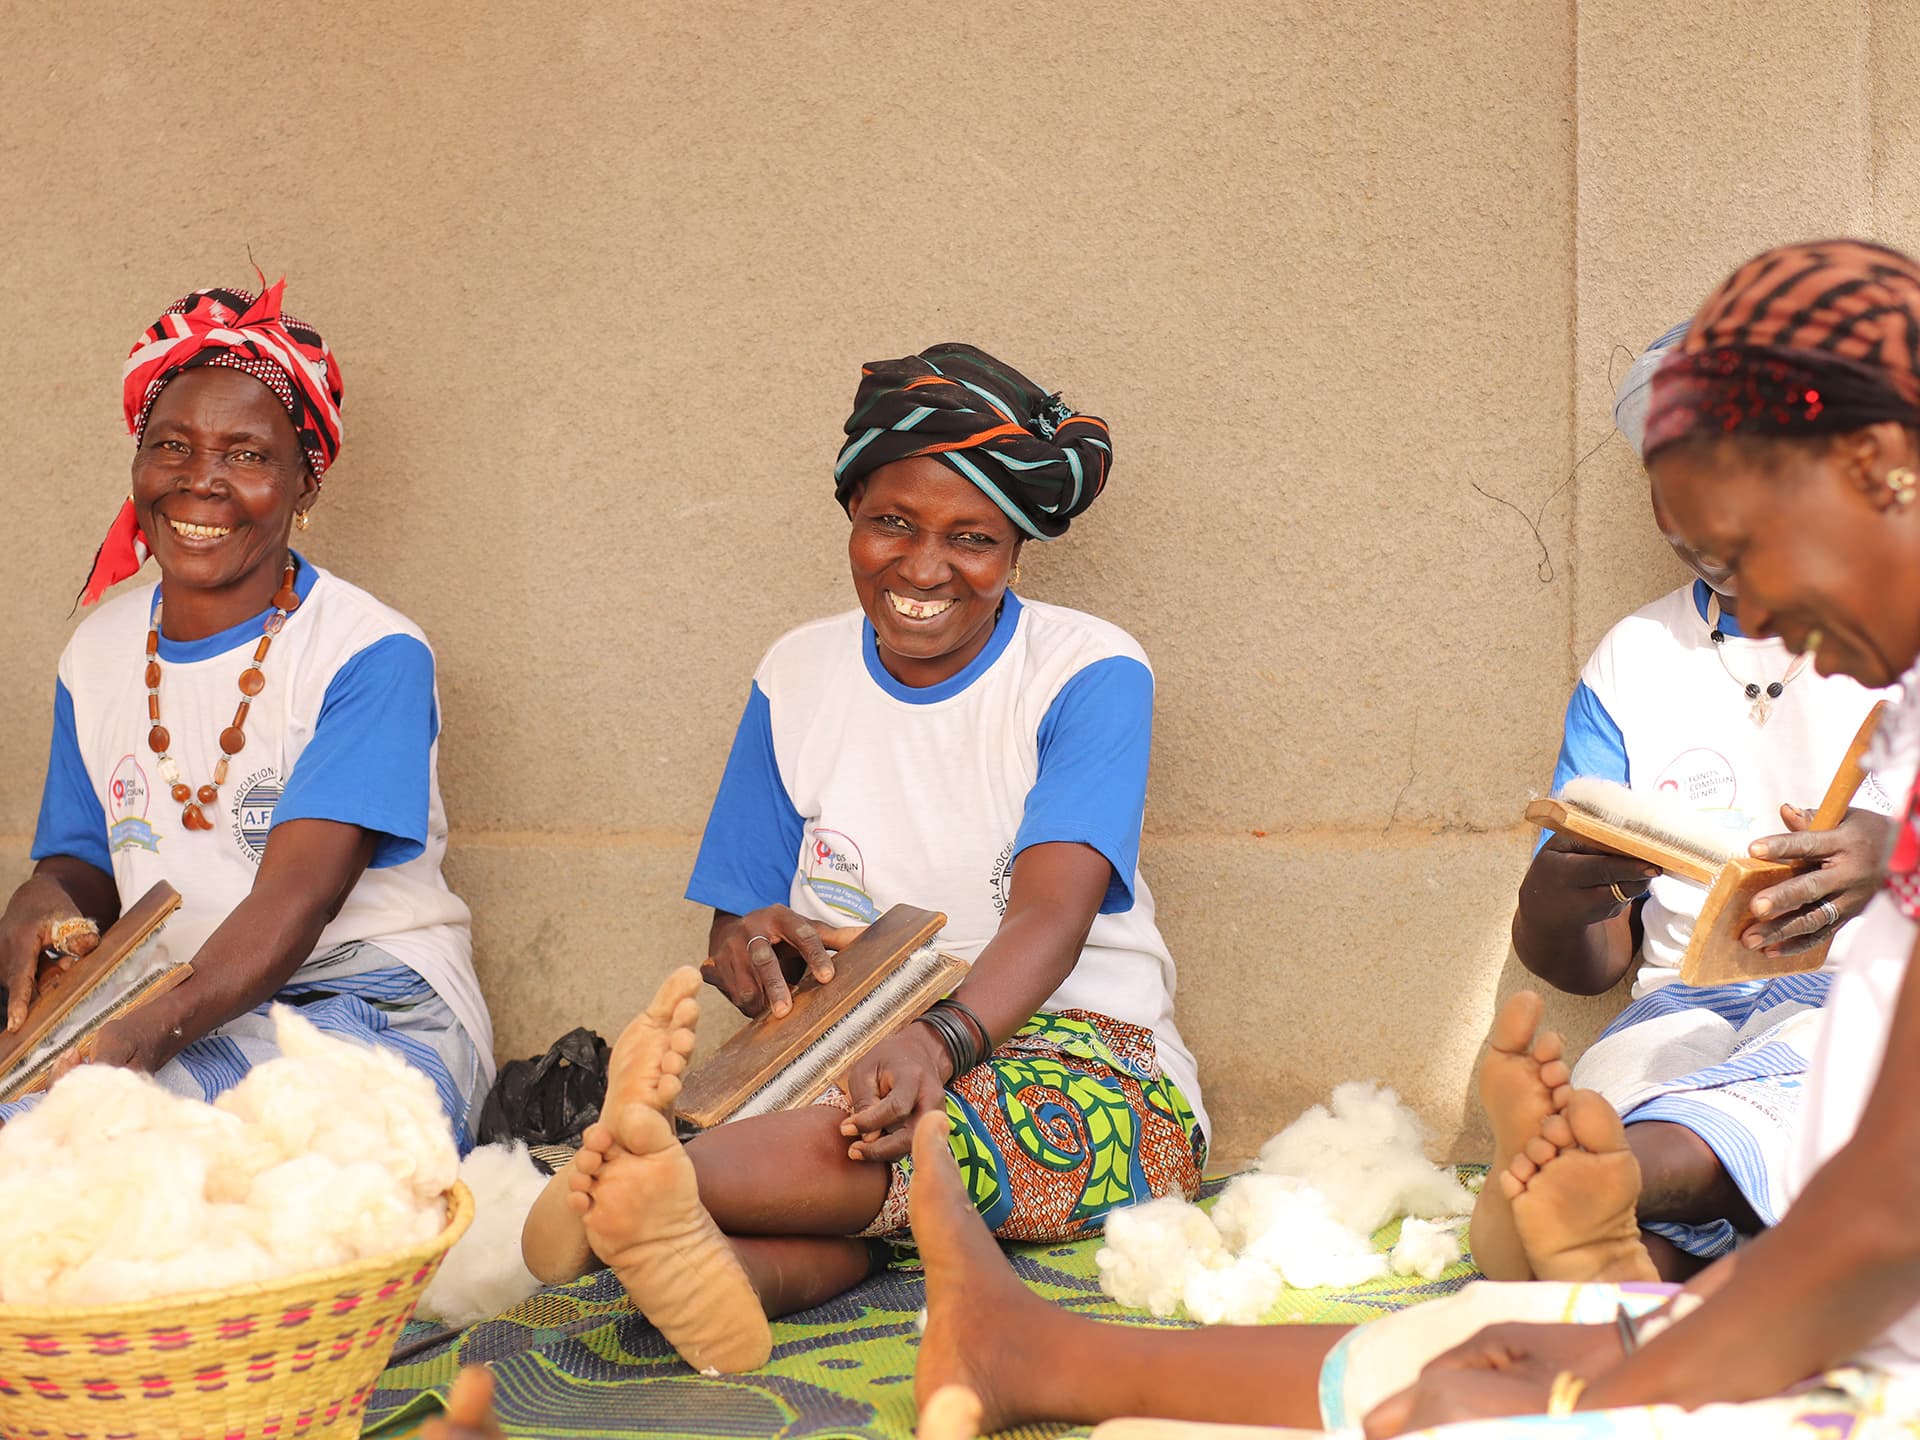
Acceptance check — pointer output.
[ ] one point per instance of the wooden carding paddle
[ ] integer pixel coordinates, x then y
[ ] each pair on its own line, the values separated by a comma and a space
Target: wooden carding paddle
1714, 955
69, 1008
881, 982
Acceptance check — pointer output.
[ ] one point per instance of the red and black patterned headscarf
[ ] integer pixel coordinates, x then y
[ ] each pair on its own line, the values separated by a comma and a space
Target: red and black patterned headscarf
239, 331
1039, 462
1813, 339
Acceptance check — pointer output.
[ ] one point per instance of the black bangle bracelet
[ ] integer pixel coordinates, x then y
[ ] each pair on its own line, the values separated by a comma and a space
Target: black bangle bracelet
941, 1026
986, 1035
973, 1049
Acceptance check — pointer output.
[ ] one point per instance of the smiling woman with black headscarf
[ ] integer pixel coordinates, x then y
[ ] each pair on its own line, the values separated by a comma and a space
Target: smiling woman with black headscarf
946, 745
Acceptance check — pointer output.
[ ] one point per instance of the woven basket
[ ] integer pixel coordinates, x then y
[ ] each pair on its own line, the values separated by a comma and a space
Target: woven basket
285, 1358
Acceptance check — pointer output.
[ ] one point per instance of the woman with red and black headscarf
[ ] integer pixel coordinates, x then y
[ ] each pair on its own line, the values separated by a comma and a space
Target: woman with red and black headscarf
253, 730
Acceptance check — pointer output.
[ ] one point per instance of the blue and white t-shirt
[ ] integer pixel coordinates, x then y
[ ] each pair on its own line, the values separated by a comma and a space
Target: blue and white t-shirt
848, 792
347, 728
1656, 709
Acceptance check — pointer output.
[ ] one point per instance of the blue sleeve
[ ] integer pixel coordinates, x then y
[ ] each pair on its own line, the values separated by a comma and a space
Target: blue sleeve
369, 761
752, 843
71, 820
1590, 744
1092, 788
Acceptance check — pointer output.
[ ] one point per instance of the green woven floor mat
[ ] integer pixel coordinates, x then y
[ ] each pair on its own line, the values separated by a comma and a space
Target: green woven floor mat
577, 1360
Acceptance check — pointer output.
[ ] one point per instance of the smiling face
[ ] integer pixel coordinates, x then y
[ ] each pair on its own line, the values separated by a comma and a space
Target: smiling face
216, 480
1821, 555
930, 556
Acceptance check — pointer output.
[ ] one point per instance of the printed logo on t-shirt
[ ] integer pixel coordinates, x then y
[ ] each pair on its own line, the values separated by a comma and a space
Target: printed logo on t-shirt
253, 804
128, 795
1703, 779
1002, 878
836, 873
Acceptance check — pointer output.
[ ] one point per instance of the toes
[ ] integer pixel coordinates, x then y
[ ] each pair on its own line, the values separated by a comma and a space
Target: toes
685, 1015
1555, 1131
1521, 1168
1561, 1095
954, 1413
1516, 1021
598, 1138
1540, 1150
667, 1088
1548, 1046
1594, 1124
1511, 1185
1554, 1074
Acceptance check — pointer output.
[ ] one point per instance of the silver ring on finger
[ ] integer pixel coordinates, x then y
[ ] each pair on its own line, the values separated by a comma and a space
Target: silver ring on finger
1827, 913
756, 940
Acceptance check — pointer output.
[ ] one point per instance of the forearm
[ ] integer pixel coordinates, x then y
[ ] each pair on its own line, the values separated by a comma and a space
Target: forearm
1025, 962
242, 965
1565, 950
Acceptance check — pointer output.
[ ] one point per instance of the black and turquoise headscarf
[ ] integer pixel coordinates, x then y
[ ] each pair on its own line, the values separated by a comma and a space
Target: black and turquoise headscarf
1038, 461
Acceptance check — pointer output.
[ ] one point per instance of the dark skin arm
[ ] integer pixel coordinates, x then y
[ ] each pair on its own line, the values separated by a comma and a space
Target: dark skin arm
308, 870
60, 888
1055, 892
1569, 928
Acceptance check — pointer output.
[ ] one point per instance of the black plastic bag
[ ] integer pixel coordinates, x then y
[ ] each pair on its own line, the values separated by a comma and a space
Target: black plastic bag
552, 1099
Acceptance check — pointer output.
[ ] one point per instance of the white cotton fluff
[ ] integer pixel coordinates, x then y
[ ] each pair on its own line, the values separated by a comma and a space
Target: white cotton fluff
1426, 1247
1149, 1249
114, 1189
484, 1274
1367, 1157
1304, 1219
1289, 1226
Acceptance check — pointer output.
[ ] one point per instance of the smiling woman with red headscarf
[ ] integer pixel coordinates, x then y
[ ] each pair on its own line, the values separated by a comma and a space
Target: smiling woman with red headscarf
253, 730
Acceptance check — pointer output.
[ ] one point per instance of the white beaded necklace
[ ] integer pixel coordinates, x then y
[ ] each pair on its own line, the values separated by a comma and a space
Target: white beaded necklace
1761, 696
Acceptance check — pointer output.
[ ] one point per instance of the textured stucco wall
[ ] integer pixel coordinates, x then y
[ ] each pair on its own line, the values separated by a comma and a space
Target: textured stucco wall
1347, 281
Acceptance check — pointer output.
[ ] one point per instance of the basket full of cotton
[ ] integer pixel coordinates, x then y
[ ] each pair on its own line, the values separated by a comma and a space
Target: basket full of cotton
1304, 1218
174, 1269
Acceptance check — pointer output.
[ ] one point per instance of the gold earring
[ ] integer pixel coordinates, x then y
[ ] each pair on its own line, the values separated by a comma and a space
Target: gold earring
300, 519
1900, 484
1014, 579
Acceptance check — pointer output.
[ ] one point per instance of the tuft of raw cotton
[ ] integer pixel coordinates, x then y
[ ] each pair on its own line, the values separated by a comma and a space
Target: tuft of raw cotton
1304, 1219
483, 1274
113, 1189
1367, 1156
1426, 1247
1149, 1249
1289, 1226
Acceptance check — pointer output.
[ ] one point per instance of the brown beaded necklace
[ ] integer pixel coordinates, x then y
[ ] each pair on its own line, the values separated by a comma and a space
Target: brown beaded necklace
234, 737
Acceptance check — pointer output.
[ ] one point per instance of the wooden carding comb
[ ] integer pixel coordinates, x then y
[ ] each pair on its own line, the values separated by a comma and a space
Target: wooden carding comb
1714, 955
881, 982
124, 971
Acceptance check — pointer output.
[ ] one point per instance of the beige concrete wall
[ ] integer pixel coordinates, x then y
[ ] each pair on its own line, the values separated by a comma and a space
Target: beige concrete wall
1348, 282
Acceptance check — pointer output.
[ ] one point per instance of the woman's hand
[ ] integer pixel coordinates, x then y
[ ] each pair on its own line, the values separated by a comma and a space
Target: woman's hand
1797, 914
40, 917
1505, 1369
1573, 881
892, 1086
745, 965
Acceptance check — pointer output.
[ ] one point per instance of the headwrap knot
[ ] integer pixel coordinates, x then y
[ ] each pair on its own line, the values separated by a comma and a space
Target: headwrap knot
1026, 450
231, 329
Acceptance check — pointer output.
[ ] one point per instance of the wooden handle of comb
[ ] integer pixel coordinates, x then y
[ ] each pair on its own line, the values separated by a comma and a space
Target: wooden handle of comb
1847, 779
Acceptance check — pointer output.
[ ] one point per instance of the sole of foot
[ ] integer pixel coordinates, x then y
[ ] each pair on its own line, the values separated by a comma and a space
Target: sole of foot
1573, 1188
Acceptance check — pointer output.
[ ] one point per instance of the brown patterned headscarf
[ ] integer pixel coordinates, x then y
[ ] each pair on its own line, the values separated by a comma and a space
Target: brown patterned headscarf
1813, 339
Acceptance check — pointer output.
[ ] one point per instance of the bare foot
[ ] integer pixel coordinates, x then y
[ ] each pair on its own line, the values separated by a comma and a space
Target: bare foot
469, 1413
651, 1054
980, 1318
644, 1219
1523, 1079
1573, 1188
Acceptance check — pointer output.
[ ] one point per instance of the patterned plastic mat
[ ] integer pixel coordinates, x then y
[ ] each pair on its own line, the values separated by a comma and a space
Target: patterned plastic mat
577, 1360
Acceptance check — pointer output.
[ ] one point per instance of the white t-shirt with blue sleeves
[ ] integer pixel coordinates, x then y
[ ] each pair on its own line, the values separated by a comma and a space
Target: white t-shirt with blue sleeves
1656, 709
346, 729
847, 792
